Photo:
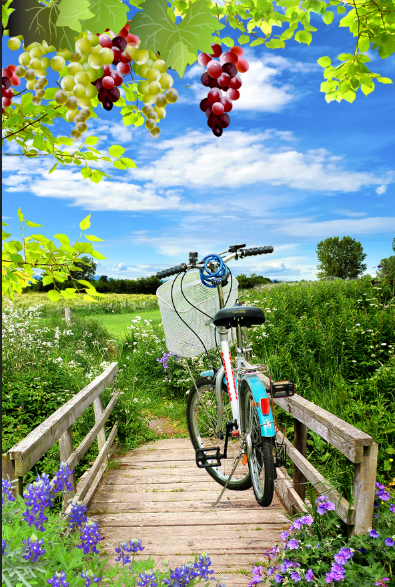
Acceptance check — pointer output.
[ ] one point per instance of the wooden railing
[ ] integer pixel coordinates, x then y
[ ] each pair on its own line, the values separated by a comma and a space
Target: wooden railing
19, 459
357, 446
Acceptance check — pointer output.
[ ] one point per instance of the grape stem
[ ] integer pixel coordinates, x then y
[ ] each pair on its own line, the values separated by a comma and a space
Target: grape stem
27, 125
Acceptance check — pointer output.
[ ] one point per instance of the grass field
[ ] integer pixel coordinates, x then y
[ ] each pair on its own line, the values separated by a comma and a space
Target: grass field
117, 324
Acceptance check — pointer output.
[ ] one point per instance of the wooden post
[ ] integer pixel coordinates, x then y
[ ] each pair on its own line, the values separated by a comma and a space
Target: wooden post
67, 314
299, 480
98, 409
66, 449
364, 490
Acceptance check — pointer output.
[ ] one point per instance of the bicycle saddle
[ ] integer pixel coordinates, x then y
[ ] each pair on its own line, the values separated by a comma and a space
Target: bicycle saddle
246, 316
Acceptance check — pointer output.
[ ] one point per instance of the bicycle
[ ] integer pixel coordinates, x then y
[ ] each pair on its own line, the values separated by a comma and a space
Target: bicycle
229, 405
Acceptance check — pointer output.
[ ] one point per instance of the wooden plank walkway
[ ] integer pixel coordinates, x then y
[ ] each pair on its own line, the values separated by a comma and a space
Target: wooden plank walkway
159, 495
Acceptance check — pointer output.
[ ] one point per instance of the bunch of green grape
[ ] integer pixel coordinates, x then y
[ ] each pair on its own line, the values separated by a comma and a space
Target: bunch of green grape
87, 76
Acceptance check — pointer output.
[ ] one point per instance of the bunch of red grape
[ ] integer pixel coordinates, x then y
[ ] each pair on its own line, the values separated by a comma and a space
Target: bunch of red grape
9, 78
221, 76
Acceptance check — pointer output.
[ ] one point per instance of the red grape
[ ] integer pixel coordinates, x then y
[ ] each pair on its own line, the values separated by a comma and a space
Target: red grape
105, 41
98, 84
203, 59
119, 42
102, 95
107, 105
218, 108
3, 91
132, 40
8, 93
15, 80
7, 72
114, 95
214, 95
11, 68
233, 94
228, 57
227, 103
124, 32
6, 102
237, 50
217, 130
212, 120
117, 53
217, 50
242, 65
205, 79
118, 79
125, 57
204, 104
235, 83
224, 80
209, 111
214, 69
127, 26
223, 121
123, 68
230, 69
108, 82
108, 69
6, 82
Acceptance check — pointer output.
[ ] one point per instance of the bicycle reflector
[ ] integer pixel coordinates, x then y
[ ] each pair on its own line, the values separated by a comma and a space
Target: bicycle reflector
265, 406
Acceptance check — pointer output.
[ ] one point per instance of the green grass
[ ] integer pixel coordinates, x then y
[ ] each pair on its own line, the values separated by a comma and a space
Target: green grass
117, 324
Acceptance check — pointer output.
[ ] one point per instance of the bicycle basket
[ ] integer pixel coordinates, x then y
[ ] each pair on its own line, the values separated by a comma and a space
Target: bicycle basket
180, 339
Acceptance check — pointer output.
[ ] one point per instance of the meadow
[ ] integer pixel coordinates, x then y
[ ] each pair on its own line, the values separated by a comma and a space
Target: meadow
335, 339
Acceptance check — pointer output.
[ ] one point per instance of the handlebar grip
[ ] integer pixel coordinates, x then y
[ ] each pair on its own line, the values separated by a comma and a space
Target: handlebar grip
172, 271
256, 251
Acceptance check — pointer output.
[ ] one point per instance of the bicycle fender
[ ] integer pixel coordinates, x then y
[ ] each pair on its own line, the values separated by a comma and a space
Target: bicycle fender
259, 392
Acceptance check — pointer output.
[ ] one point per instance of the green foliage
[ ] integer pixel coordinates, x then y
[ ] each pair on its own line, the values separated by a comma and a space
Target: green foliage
249, 282
87, 268
340, 257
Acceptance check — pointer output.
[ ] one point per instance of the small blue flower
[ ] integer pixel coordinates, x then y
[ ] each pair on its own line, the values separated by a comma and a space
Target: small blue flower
292, 544
33, 548
90, 578
37, 497
77, 515
309, 575
389, 542
295, 576
147, 579
6, 487
90, 536
373, 534
58, 579
278, 578
4, 547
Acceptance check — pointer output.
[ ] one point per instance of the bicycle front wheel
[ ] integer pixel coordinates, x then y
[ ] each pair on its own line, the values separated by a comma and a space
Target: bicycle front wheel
259, 450
202, 418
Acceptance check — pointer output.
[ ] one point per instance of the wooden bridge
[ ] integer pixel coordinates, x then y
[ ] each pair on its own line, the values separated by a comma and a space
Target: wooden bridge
156, 493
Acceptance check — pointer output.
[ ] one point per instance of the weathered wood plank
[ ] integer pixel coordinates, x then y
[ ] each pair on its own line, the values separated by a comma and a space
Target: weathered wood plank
364, 490
343, 509
109, 507
98, 410
208, 518
29, 450
123, 496
65, 450
287, 494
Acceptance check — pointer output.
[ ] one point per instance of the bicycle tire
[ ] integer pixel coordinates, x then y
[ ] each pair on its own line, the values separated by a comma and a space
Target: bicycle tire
261, 461
202, 432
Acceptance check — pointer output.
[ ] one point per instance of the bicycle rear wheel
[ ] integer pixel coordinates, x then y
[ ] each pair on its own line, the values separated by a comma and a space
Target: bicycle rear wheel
259, 451
202, 418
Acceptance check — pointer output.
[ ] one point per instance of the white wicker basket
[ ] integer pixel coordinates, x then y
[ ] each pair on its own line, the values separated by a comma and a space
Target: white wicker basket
180, 337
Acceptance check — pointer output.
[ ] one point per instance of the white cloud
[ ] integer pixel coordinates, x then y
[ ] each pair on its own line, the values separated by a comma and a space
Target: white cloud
307, 227
120, 267
349, 213
381, 190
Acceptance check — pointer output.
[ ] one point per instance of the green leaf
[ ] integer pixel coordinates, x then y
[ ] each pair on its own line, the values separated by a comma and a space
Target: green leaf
303, 37
119, 165
228, 42
20, 215
349, 96
275, 44
327, 17
324, 61
97, 255
363, 44
367, 89
91, 140
108, 14
92, 238
64, 239
257, 42
97, 176
85, 223
53, 295
86, 172
243, 39
52, 168
71, 12
65, 141
32, 224
384, 80
16, 258
116, 151
128, 162
84, 282
47, 279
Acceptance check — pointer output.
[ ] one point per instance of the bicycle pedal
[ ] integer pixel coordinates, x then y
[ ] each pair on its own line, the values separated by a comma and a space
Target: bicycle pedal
204, 455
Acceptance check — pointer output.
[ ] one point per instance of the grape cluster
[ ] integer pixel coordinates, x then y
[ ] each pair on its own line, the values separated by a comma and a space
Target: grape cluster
11, 76
221, 76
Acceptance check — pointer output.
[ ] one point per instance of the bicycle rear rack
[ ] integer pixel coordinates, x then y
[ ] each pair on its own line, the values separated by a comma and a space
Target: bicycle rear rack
211, 457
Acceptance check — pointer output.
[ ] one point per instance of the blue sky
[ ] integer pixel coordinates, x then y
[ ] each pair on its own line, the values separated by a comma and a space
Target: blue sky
289, 171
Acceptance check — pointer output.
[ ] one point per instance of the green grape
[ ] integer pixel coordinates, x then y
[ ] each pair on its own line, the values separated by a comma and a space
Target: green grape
43, 81
91, 92
155, 88
152, 115
161, 112
160, 65
75, 57
79, 118
84, 59
161, 101
84, 103
107, 55
132, 51
66, 54
152, 55
141, 56
45, 47
86, 113
79, 91
71, 114
58, 63
96, 49
148, 99
67, 83
20, 71
146, 109
61, 97
93, 39
149, 63
136, 67
72, 103
142, 70
41, 72
14, 43
40, 93
81, 78
24, 58
74, 68
31, 46
155, 132
30, 84
166, 81
30, 75
36, 53
149, 123
171, 96
152, 75
75, 135
35, 64
45, 62
83, 46
143, 87
81, 126
95, 60
36, 101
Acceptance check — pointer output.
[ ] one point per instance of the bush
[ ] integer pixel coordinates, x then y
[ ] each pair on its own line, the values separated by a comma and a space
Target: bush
250, 282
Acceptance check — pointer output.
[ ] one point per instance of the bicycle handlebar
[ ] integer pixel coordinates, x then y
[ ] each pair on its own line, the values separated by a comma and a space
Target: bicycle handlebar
241, 253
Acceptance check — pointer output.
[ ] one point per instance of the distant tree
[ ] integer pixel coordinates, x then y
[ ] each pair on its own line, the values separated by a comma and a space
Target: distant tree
88, 267
387, 266
103, 278
340, 257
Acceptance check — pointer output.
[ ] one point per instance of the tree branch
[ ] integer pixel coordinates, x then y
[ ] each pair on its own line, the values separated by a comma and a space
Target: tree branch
30, 124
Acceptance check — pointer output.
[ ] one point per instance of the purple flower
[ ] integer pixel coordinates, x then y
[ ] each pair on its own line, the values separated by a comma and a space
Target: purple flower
77, 515
58, 579
309, 575
33, 548
307, 520
292, 544
295, 576
164, 359
336, 574
381, 582
343, 556
278, 578
325, 506
37, 496
284, 536
4, 547
392, 508
125, 548
6, 487
272, 553
287, 564
147, 579
61, 478
270, 571
90, 536
373, 534
296, 524
389, 542
257, 576
90, 578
